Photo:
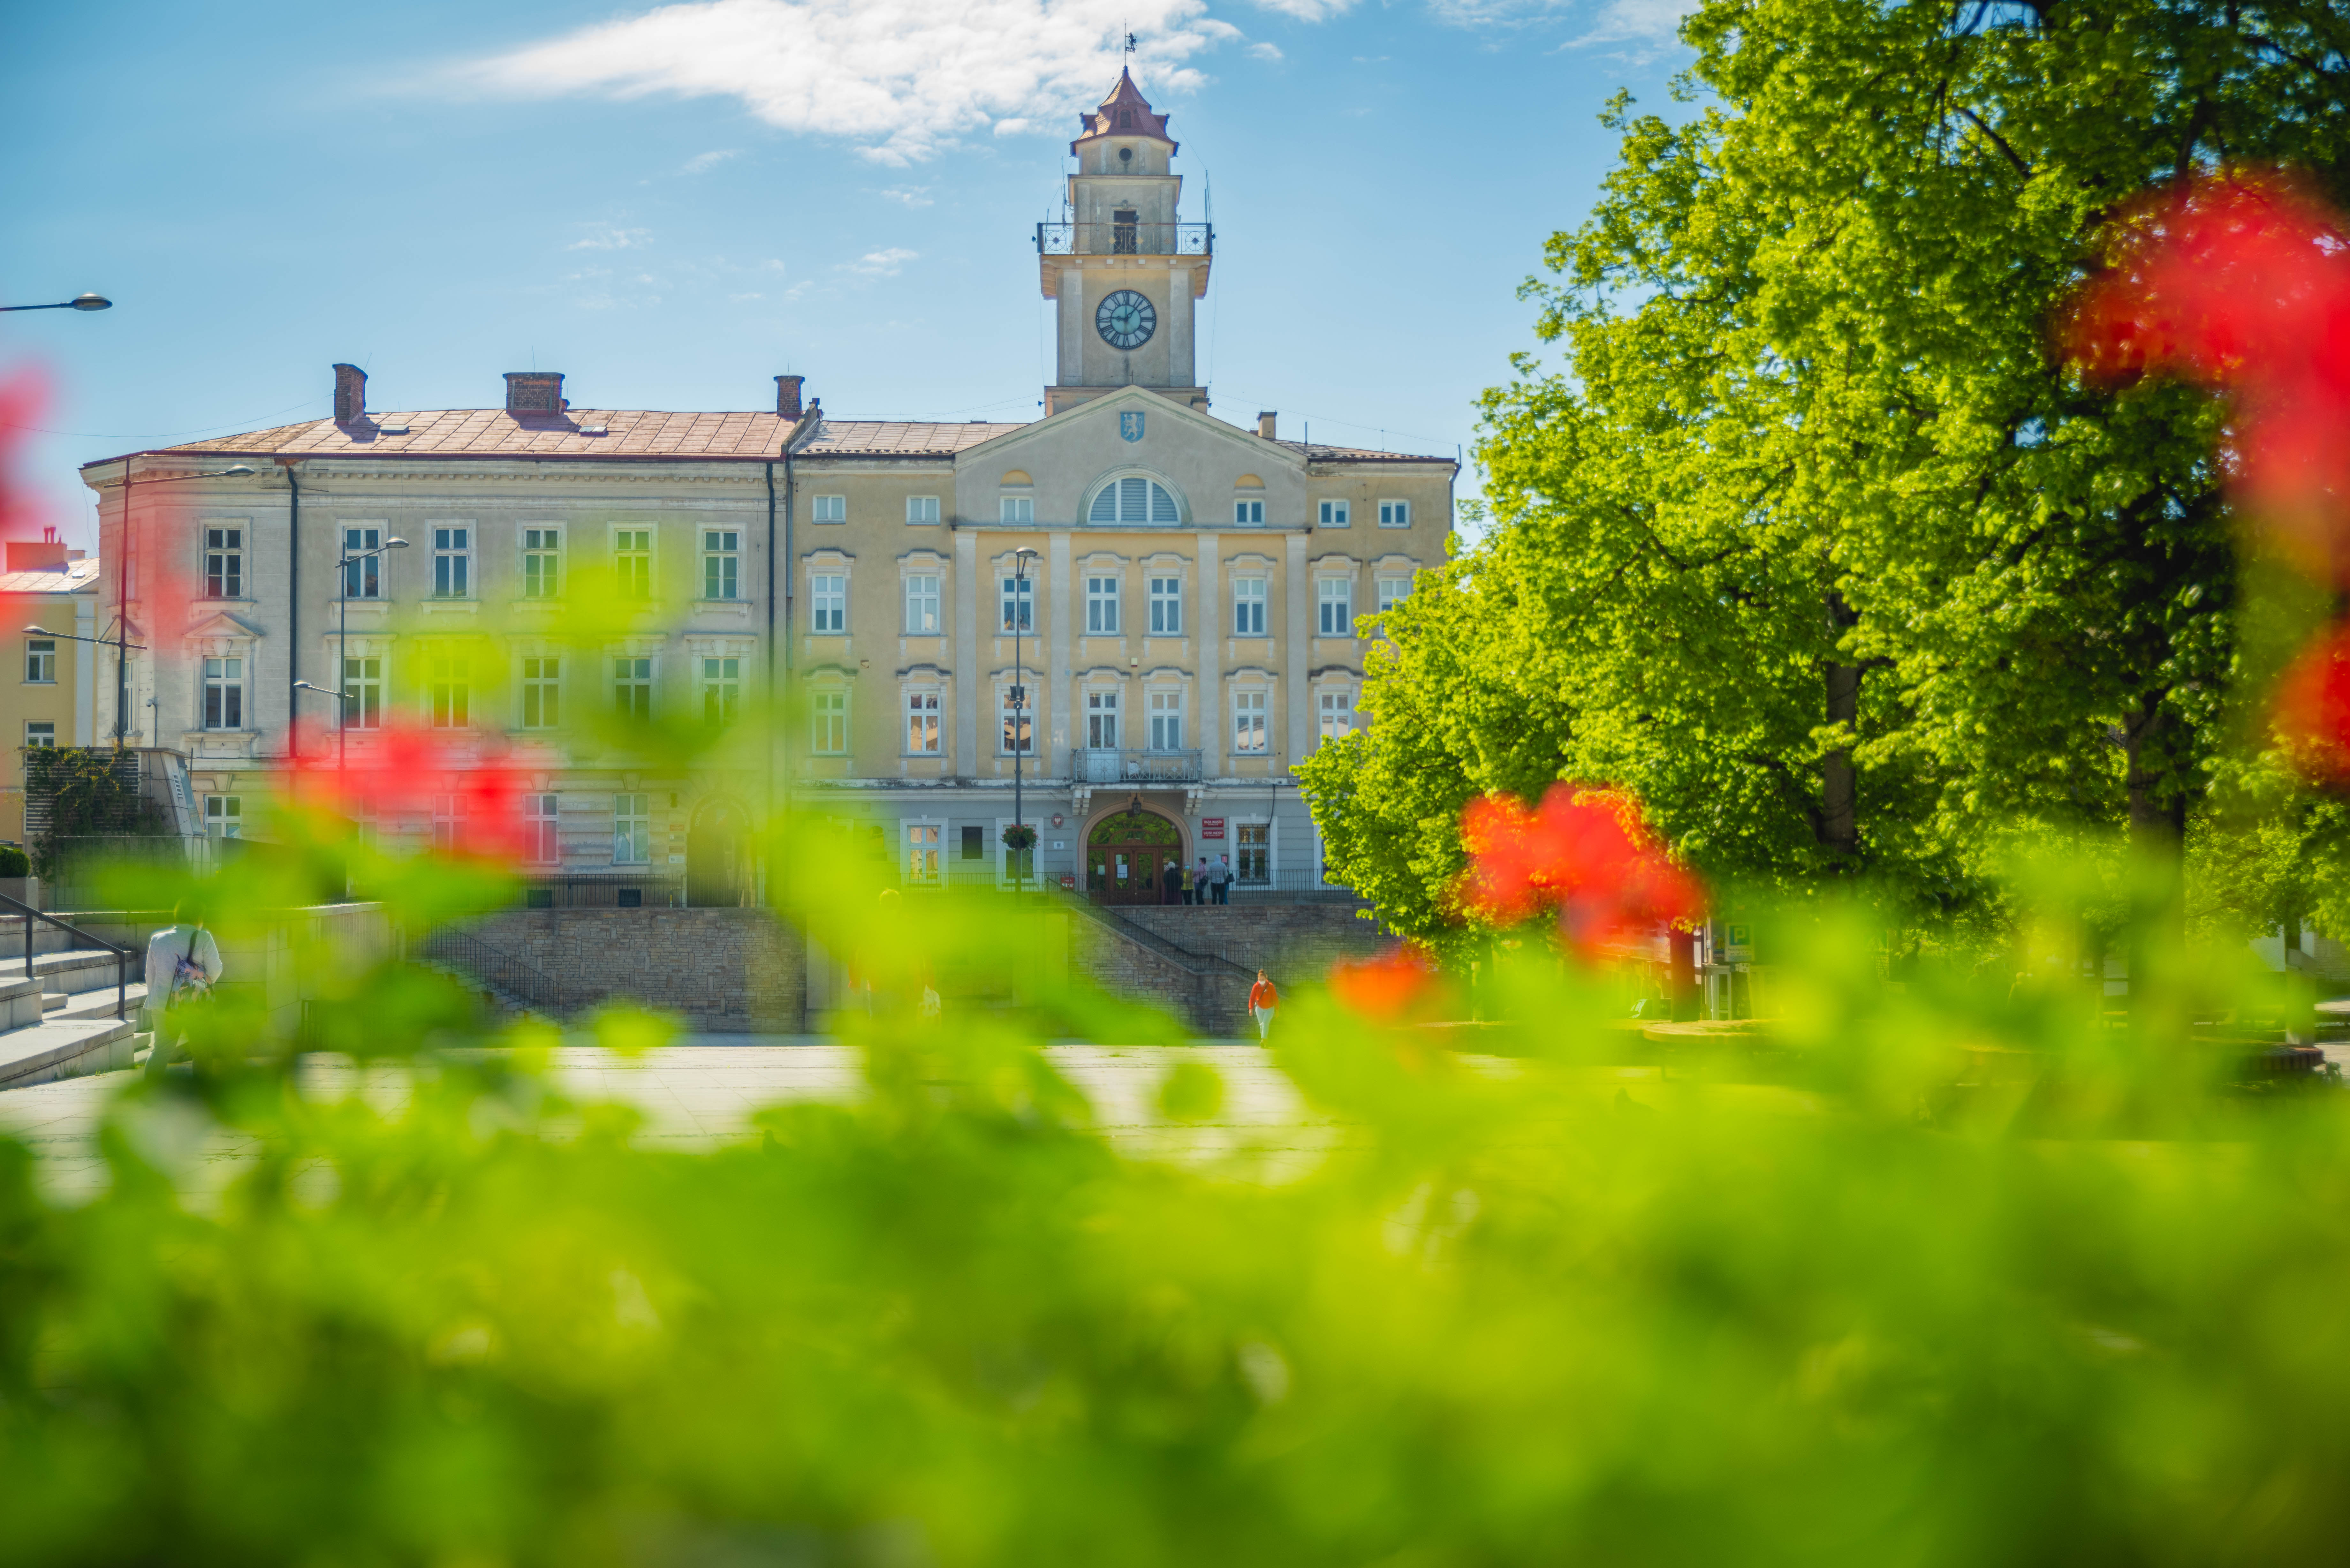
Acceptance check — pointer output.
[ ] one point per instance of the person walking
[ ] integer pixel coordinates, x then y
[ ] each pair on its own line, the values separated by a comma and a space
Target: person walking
1263, 1000
1204, 879
1170, 880
1223, 878
183, 964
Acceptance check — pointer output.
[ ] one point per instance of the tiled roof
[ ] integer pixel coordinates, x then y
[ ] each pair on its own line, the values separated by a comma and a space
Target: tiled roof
495, 432
74, 577
1318, 452
896, 437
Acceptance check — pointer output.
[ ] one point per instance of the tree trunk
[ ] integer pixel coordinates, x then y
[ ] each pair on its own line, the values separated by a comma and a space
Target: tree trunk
1839, 829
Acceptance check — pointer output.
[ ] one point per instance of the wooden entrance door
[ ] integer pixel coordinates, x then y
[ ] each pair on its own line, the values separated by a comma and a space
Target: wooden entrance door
1127, 857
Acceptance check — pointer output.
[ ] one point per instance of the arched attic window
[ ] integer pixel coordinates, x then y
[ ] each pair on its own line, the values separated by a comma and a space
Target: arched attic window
1134, 498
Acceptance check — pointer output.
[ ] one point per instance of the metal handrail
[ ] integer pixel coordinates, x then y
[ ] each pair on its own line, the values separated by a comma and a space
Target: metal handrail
1133, 764
515, 976
122, 955
1114, 238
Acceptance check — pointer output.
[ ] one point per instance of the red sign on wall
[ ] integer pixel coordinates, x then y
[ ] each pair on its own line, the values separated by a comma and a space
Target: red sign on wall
1212, 828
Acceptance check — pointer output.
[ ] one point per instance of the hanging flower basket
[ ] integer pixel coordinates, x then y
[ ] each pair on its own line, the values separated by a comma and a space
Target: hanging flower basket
1019, 835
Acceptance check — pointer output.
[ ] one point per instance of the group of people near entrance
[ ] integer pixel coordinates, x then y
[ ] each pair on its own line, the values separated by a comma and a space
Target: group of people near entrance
1181, 884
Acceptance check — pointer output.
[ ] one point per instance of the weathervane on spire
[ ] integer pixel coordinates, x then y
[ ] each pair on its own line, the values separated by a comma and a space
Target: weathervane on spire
1130, 43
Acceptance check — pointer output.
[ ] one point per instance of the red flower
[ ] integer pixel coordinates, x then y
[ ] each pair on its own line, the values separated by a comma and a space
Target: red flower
405, 773
21, 398
1388, 987
1585, 854
2313, 706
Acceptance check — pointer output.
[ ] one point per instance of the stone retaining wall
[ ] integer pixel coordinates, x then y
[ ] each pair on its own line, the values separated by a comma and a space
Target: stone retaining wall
1294, 944
722, 970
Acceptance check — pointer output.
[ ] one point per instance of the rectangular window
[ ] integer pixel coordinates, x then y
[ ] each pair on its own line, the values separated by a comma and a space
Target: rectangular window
223, 563
1166, 606
1336, 514
828, 509
922, 723
361, 579
721, 564
1019, 605
363, 693
828, 723
632, 562
1253, 840
1335, 598
1394, 514
542, 694
449, 689
828, 591
1101, 605
224, 693
1248, 606
975, 842
1248, 722
40, 732
633, 688
542, 839
1249, 513
223, 816
1166, 721
1101, 721
1338, 714
41, 660
722, 691
922, 851
452, 555
1019, 509
1018, 735
632, 829
542, 563
922, 509
448, 822
923, 606
1393, 591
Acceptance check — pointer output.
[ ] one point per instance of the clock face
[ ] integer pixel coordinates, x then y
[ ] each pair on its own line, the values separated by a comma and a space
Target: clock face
1126, 320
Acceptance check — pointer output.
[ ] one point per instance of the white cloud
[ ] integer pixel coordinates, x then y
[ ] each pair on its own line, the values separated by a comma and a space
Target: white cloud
1308, 10
882, 263
612, 239
1655, 22
702, 161
907, 195
742, 298
905, 77
1264, 51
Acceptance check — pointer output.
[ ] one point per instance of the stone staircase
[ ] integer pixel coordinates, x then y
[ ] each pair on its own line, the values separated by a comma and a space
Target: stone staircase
58, 1022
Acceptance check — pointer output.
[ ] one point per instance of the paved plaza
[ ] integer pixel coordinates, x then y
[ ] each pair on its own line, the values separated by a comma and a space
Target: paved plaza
702, 1095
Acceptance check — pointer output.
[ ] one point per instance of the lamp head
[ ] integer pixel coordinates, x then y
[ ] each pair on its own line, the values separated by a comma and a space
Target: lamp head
395, 544
39, 630
91, 302
235, 470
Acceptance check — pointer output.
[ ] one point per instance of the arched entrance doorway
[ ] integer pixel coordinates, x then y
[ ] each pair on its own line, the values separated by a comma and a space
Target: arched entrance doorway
718, 855
1128, 854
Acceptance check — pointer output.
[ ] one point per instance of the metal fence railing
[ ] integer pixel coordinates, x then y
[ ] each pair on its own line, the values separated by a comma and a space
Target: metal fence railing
1114, 238
494, 965
1104, 766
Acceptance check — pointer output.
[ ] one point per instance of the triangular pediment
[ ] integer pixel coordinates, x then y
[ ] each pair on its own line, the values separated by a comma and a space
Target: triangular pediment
222, 624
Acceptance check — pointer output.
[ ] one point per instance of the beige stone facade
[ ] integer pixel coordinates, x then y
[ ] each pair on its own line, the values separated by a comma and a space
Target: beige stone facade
53, 685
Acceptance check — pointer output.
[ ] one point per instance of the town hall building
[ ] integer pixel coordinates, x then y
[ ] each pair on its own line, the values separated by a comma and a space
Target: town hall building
1149, 612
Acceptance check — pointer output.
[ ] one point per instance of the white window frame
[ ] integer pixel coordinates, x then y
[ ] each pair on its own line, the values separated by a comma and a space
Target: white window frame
1113, 489
362, 704
537, 680
1006, 722
921, 511
214, 674
635, 552
542, 828
924, 839
1390, 589
632, 828
828, 722
223, 561
1251, 720
542, 561
40, 661
829, 604
453, 560
224, 817
1018, 509
1103, 592
633, 687
1165, 710
1166, 591
925, 604
1240, 856
1335, 513
722, 565
1394, 514
1004, 852
828, 510
1342, 623
1330, 700
925, 711
1248, 512
1245, 624
1026, 607
41, 733
448, 688
1105, 718
721, 683
362, 579
448, 823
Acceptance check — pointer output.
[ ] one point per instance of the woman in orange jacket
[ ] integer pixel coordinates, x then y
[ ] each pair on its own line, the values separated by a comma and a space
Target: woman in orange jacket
1261, 1001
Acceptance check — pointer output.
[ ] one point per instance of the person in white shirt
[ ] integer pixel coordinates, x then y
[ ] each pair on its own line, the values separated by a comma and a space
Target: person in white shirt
183, 964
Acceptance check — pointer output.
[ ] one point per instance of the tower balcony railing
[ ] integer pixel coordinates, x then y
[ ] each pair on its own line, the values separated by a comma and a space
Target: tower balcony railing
1102, 766
1115, 239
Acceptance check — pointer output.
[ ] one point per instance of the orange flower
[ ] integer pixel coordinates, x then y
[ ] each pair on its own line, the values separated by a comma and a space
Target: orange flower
1397, 983
1585, 854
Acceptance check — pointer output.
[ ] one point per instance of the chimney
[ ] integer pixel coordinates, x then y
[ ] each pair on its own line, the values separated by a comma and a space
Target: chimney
787, 397
351, 394
1265, 423
46, 555
535, 392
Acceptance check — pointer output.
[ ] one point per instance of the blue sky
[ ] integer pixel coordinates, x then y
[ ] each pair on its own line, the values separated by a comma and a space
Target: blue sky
675, 203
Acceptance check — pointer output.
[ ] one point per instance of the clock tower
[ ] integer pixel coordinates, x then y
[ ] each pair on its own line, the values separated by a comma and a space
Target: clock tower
1122, 270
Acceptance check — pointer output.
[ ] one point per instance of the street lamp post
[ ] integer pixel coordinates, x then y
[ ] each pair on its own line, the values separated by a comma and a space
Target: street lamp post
1021, 733
122, 571
342, 644
78, 302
